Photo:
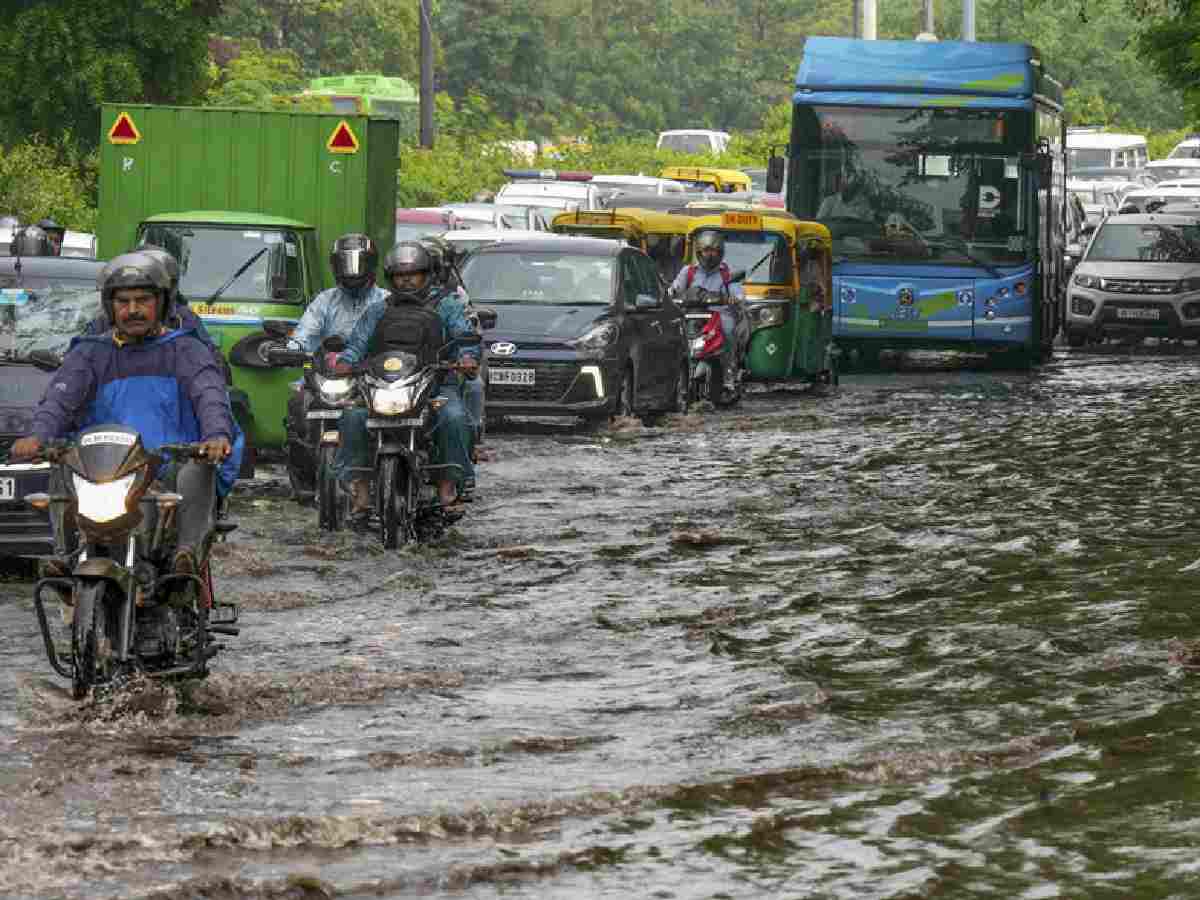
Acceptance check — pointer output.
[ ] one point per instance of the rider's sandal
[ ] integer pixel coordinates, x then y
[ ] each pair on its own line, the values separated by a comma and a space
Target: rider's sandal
453, 512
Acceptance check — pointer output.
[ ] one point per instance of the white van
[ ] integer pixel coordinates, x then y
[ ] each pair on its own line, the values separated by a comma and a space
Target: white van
693, 140
560, 194
1089, 148
1188, 148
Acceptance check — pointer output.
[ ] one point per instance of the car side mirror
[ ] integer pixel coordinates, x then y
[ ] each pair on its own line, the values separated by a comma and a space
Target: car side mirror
776, 168
646, 301
487, 318
277, 328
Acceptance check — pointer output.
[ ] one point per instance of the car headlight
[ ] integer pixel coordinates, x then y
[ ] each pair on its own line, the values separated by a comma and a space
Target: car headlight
393, 401
103, 502
768, 316
601, 337
1087, 281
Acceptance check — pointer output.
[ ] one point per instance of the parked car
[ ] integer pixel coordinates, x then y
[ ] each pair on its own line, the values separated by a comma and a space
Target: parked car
45, 305
1140, 276
584, 329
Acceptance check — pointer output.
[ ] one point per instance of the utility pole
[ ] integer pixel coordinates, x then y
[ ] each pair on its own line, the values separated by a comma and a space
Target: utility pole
426, 76
870, 19
927, 16
968, 28
857, 18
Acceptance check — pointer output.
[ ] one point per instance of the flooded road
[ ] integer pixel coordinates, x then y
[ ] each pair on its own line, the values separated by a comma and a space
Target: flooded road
930, 635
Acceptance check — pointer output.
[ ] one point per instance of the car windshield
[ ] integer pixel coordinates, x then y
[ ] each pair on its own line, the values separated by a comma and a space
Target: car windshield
941, 186
762, 255
1087, 156
1189, 150
686, 143
209, 256
539, 277
1154, 242
45, 315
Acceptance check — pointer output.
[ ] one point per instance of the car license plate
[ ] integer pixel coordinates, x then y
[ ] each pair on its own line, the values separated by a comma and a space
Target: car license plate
8, 489
510, 376
1151, 314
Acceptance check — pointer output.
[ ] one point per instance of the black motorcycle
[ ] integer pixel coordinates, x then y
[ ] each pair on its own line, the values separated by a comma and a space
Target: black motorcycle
326, 396
115, 539
399, 393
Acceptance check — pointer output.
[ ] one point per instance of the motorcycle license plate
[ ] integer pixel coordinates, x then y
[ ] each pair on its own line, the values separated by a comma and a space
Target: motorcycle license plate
416, 422
8, 489
1151, 314
511, 376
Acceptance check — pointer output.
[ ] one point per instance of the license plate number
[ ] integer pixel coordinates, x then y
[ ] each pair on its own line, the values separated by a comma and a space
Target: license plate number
1151, 314
415, 422
8, 489
511, 376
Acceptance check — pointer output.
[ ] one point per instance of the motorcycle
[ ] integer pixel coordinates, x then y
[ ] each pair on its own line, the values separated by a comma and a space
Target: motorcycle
399, 393
112, 570
327, 395
717, 342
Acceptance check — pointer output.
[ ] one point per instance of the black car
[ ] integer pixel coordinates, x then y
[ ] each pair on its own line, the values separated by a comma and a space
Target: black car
48, 302
583, 328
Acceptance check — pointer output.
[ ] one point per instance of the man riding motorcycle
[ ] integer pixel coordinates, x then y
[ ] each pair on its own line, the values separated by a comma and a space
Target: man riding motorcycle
332, 313
710, 273
394, 325
162, 381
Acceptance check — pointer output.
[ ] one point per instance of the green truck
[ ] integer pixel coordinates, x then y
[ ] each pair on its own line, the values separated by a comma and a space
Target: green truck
249, 202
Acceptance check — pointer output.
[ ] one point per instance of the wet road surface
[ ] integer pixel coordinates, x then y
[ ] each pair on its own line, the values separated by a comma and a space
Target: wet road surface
932, 634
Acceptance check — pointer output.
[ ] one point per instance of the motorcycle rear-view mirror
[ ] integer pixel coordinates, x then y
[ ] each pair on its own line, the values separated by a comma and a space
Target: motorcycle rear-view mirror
776, 169
487, 318
335, 343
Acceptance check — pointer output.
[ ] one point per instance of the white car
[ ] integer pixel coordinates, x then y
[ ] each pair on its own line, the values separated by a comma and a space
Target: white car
1173, 169
470, 239
693, 140
1188, 148
1148, 200
638, 184
562, 195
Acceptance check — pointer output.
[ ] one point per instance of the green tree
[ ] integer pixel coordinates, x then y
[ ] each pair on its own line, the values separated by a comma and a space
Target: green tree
255, 77
59, 61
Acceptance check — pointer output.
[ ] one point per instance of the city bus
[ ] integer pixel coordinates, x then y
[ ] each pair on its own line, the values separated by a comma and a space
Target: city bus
938, 169
378, 96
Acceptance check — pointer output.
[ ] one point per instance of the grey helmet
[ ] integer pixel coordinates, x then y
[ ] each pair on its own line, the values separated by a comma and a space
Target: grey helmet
134, 270
353, 259
710, 240
171, 265
31, 241
406, 258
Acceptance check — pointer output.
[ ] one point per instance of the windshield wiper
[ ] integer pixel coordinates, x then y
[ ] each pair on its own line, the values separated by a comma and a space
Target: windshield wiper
236, 275
966, 251
770, 255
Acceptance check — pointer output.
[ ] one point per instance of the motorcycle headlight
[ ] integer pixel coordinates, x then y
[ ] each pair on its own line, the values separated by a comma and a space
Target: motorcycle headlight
335, 391
393, 401
768, 316
103, 502
601, 337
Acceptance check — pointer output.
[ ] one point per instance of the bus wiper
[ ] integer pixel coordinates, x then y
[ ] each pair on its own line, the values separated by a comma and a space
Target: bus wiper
236, 275
966, 251
770, 255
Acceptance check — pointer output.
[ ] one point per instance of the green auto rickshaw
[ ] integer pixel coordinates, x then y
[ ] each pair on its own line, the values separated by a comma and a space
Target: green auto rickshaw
788, 287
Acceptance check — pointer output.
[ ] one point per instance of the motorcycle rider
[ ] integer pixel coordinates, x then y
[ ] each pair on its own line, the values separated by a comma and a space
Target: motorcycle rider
55, 233
161, 381
333, 313
409, 268
710, 273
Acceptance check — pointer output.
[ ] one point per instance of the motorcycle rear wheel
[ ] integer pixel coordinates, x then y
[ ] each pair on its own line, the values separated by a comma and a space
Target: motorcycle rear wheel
394, 502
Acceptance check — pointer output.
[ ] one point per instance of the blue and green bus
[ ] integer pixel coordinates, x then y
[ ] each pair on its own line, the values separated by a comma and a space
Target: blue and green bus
377, 96
938, 169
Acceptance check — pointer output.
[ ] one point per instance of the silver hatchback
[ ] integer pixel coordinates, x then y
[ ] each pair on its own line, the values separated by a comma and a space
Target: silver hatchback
1140, 276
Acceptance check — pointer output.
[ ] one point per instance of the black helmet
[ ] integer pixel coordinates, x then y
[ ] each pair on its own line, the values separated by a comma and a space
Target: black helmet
710, 240
31, 241
353, 260
134, 270
441, 255
406, 258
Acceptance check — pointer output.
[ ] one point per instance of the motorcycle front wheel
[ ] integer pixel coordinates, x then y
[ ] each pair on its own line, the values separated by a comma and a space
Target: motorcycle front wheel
89, 642
394, 502
330, 503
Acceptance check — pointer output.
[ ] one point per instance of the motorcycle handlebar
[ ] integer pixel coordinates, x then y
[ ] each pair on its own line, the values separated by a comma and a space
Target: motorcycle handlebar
281, 356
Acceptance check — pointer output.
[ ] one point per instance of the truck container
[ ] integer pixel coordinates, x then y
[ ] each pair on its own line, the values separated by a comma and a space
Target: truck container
250, 202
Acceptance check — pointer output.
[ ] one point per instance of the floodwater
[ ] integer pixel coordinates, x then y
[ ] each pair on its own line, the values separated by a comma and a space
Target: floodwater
932, 634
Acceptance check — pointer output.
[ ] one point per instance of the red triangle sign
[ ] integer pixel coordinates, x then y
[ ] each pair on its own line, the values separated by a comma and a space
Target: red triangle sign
124, 131
342, 140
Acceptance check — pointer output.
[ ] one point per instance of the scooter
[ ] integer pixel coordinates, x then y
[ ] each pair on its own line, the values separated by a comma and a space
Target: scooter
718, 335
128, 610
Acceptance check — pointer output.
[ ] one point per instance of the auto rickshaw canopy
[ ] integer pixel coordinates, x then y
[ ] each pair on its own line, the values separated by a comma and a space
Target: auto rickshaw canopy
723, 181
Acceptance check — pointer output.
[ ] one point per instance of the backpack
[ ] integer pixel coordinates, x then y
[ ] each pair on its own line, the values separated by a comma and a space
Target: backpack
410, 327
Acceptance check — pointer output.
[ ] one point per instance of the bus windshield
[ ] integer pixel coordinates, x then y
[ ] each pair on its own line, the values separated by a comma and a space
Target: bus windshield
919, 185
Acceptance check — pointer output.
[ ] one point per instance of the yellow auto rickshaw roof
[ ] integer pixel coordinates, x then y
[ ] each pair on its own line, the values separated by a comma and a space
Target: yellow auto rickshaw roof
705, 207
629, 219
795, 229
706, 173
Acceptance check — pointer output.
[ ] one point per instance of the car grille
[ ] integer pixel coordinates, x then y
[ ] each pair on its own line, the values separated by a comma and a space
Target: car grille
551, 381
1138, 286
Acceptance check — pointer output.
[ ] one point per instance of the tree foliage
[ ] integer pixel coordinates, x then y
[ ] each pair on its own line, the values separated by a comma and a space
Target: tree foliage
38, 179
60, 60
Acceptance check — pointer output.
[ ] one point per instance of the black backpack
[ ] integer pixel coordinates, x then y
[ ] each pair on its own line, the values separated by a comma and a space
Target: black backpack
409, 327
